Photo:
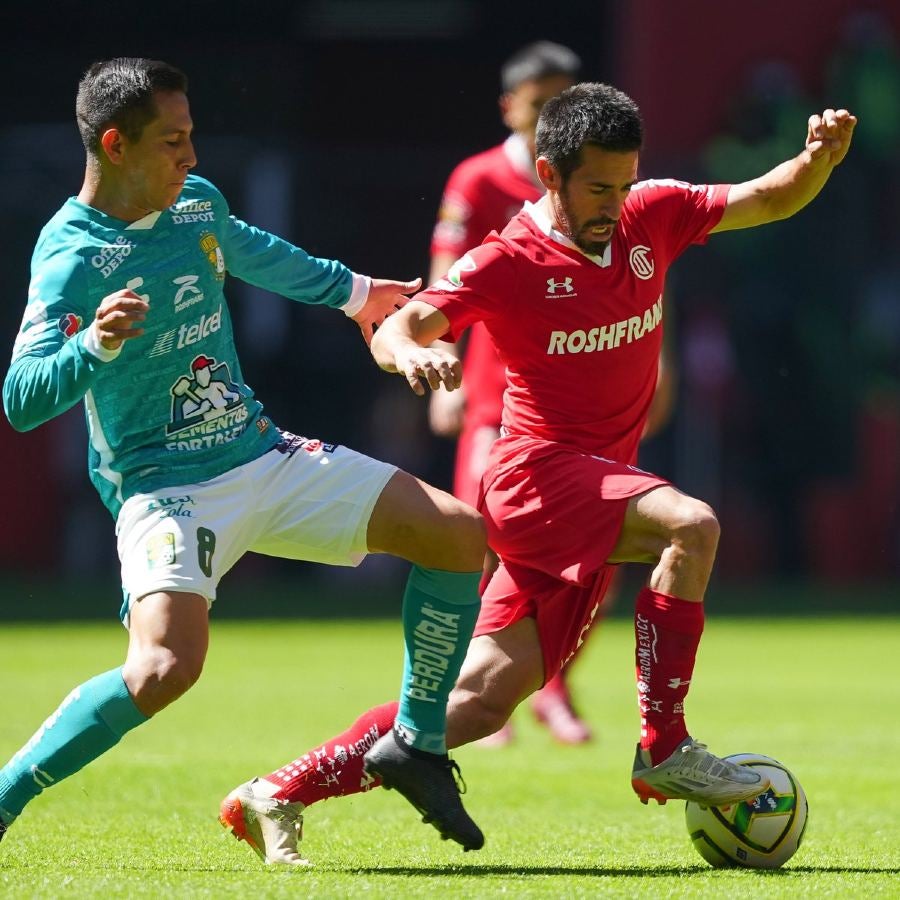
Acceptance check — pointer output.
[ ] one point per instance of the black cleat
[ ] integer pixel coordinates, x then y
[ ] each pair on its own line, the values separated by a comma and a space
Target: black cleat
429, 782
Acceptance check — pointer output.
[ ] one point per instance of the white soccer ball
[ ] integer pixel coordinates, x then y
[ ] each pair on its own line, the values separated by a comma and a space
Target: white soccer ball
762, 833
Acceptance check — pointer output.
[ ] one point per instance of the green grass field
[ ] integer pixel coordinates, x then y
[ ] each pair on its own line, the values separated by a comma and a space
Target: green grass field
823, 696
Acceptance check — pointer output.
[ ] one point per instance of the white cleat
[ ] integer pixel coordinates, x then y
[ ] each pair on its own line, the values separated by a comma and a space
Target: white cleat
273, 828
693, 773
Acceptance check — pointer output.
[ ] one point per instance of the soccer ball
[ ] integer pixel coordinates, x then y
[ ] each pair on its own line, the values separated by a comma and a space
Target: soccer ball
762, 833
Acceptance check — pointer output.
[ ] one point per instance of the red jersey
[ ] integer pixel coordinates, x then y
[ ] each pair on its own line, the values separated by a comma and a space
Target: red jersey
482, 194
580, 336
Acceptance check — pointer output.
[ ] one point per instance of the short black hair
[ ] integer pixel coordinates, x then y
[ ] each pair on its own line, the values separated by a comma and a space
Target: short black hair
539, 60
587, 113
120, 92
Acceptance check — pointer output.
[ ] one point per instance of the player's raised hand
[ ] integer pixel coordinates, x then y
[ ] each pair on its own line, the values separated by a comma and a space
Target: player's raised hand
428, 365
828, 136
118, 318
384, 298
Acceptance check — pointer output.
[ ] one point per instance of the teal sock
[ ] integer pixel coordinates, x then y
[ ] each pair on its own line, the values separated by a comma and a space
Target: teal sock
87, 723
439, 614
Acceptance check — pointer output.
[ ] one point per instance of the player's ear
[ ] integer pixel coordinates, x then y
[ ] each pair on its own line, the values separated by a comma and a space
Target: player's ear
504, 103
548, 174
112, 143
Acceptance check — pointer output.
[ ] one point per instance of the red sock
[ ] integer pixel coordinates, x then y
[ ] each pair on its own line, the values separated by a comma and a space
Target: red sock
556, 687
667, 631
335, 768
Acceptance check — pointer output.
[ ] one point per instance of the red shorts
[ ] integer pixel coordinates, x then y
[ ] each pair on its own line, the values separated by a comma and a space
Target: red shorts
553, 515
563, 612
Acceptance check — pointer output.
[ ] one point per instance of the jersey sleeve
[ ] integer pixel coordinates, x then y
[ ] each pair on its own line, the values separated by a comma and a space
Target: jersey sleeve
270, 262
478, 287
685, 213
51, 368
457, 227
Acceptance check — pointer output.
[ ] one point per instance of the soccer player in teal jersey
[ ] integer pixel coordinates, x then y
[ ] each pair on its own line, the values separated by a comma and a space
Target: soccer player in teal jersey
126, 312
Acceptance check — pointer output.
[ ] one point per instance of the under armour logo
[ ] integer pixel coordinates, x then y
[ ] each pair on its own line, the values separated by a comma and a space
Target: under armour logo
675, 683
565, 284
366, 782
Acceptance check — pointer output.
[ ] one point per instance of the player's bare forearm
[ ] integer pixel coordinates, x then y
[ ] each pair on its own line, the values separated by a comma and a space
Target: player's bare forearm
401, 345
777, 195
416, 325
790, 186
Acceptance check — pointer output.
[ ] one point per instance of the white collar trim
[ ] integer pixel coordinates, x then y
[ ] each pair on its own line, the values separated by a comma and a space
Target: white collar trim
146, 223
538, 213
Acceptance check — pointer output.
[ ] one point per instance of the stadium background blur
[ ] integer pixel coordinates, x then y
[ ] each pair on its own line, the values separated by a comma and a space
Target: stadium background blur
335, 125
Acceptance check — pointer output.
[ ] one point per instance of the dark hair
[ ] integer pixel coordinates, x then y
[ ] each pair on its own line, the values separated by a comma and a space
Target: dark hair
587, 113
120, 92
538, 61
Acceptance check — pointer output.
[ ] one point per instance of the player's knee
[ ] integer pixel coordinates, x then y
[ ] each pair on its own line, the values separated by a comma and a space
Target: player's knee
697, 530
469, 538
456, 541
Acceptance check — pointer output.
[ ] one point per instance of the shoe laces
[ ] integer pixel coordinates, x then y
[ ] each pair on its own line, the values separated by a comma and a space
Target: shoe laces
285, 814
705, 762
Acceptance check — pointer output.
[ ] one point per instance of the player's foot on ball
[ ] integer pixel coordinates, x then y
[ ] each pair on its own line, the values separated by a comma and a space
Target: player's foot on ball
693, 773
429, 782
556, 713
502, 737
272, 828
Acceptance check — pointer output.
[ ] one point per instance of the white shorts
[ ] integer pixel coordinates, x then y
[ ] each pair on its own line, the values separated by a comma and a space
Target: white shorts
301, 500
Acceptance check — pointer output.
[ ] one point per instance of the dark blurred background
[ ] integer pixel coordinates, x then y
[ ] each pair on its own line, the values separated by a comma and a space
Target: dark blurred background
335, 124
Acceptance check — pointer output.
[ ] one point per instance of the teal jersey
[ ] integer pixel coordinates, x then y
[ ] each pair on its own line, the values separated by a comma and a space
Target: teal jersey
172, 408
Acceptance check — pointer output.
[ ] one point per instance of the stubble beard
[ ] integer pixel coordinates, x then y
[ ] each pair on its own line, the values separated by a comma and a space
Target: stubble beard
575, 231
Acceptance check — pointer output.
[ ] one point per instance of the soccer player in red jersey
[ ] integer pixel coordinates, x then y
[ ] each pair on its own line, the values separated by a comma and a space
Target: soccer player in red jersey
570, 292
481, 195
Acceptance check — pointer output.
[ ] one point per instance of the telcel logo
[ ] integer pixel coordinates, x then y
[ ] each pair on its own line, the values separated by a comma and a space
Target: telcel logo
191, 334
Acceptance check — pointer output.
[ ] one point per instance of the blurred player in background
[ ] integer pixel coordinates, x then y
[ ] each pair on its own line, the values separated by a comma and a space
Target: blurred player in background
482, 194
571, 293
126, 313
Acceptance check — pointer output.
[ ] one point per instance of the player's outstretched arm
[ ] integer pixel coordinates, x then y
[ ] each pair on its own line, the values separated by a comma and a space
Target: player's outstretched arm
401, 345
787, 188
384, 298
